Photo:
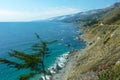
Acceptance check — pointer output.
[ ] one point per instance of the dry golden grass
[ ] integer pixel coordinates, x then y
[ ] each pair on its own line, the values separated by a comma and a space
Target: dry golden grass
102, 54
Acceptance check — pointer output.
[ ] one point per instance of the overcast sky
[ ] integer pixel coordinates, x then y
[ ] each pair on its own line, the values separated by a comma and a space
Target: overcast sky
27, 10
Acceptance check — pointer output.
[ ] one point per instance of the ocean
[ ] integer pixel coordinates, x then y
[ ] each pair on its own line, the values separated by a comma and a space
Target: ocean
20, 36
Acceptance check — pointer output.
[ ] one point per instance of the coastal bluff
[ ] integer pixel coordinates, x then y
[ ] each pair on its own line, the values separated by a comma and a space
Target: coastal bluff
100, 60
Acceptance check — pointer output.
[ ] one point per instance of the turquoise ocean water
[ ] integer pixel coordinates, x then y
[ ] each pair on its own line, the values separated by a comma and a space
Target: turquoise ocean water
20, 36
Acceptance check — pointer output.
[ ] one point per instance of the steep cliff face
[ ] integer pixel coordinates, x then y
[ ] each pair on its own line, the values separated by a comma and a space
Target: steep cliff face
101, 59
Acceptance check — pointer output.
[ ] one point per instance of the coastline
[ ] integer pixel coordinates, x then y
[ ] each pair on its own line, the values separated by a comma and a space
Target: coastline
99, 59
63, 73
68, 65
73, 56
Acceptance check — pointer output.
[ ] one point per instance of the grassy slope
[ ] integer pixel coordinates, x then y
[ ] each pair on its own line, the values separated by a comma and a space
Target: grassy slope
101, 59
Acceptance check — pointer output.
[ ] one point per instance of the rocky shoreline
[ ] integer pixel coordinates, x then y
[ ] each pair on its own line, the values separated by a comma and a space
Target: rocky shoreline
63, 73
62, 66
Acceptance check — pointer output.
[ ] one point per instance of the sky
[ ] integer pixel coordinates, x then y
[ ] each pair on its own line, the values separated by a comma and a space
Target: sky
29, 10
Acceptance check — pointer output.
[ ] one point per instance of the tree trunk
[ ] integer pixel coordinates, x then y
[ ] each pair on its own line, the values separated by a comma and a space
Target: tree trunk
43, 66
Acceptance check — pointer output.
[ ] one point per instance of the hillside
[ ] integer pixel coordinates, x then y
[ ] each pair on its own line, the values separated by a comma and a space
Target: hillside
112, 17
101, 59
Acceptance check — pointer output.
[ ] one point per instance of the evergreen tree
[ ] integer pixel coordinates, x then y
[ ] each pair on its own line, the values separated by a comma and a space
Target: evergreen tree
33, 61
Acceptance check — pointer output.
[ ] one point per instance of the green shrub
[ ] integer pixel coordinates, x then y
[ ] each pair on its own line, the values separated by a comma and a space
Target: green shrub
105, 74
111, 73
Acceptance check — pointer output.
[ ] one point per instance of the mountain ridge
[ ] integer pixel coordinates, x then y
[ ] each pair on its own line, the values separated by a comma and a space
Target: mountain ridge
87, 15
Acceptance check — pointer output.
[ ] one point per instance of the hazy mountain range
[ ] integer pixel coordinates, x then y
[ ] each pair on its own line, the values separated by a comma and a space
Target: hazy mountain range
87, 15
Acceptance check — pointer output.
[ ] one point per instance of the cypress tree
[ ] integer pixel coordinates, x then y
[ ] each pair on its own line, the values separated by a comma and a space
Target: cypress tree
33, 61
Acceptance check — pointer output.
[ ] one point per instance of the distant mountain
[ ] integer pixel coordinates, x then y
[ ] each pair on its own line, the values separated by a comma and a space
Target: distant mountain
77, 16
87, 15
